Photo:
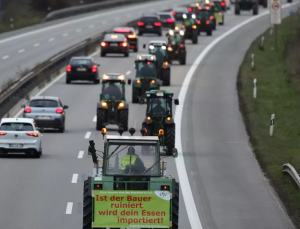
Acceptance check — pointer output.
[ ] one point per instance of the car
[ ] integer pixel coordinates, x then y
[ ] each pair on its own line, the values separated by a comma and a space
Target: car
177, 12
82, 68
47, 111
20, 135
114, 43
149, 24
131, 36
167, 20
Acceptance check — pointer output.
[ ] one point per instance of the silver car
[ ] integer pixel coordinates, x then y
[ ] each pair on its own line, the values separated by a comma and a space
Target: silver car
20, 135
47, 111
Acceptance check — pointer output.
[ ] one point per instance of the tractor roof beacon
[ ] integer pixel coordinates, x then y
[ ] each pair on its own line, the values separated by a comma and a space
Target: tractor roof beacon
126, 186
112, 108
159, 119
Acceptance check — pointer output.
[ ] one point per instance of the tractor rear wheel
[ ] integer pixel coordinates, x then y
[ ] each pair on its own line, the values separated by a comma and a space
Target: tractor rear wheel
170, 138
166, 77
237, 9
255, 9
87, 206
123, 119
135, 95
195, 37
175, 207
100, 119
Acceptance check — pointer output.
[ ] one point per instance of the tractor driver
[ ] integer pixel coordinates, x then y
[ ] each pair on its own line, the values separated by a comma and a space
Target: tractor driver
113, 92
146, 70
137, 165
158, 109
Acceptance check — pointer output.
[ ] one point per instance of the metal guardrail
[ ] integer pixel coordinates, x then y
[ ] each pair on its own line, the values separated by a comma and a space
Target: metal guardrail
288, 168
89, 8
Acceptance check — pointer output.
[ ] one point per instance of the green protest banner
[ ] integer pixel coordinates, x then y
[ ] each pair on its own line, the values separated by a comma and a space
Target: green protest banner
131, 209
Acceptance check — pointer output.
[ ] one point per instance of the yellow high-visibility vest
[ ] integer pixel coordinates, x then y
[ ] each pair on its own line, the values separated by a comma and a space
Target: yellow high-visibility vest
126, 160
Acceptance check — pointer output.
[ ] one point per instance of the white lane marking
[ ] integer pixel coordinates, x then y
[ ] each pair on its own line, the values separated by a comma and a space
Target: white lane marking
5, 57
21, 50
104, 22
51, 39
179, 162
87, 135
74, 178
92, 26
78, 30
128, 72
80, 154
95, 119
36, 45
69, 208
65, 34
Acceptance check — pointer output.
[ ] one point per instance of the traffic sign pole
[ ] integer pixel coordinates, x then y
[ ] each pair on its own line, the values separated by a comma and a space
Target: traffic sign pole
275, 16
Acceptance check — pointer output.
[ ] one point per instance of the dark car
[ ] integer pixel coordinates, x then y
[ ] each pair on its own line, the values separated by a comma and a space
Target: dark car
167, 20
114, 43
205, 23
82, 68
149, 24
131, 36
177, 12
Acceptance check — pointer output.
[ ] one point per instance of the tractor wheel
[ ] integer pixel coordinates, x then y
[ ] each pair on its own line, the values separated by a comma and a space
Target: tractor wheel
175, 207
255, 9
87, 206
135, 95
289, 1
166, 77
265, 3
100, 119
123, 119
237, 9
183, 60
209, 32
195, 38
170, 138
215, 24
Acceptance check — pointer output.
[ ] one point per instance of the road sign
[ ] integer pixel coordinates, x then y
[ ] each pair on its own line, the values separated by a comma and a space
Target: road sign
275, 12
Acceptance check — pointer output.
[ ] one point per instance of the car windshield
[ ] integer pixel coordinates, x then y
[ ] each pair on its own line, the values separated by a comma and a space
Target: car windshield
146, 69
159, 107
81, 62
159, 53
149, 19
203, 14
16, 126
113, 90
165, 16
43, 103
132, 159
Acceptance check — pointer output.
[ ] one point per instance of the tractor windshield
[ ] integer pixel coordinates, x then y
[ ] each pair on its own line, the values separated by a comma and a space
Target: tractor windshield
146, 69
203, 14
159, 107
133, 159
188, 22
113, 90
159, 53
176, 38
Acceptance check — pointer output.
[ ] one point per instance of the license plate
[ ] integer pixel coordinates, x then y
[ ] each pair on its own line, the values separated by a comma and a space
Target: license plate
81, 69
44, 117
149, 26
113, 44
16, 145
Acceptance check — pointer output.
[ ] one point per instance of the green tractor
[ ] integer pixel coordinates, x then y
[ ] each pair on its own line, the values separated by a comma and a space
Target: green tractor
246, 5
145, 78
112, 108
128, 188
159, 121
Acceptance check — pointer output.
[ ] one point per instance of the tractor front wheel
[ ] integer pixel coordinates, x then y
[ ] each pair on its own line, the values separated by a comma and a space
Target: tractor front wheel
135, 95
87, 206
237, 9
101, 114
175, 207
123, 119
195, 37
170, 138
166, 77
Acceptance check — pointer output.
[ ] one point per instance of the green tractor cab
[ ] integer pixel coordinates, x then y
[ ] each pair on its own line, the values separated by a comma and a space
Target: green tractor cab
205, 21
189, 25
146, 77
211, 14
112, 108
128, 188
246, 5
176, 46
159, 118
216, 10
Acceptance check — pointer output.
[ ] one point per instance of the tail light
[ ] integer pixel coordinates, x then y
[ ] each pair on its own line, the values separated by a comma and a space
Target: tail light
2, 133
94, 68
141, 23
27, 110
59, 110
98, 186
124, 44
103, 44
169, 45
207, 22
157, 24
211, 17
190, 9
223, 3
172, 12
194, 27
198, 22
165, 187
181, 45
68, 68
199, 7
152, 81
131, 36
170, 20
183, 26
32, 134
161, 132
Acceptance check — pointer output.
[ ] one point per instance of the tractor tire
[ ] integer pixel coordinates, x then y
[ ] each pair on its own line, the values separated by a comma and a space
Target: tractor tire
195, 38
175, 207
136, 49
215, 25
166, 78
237, 9
289, 1
101, 118
123, 119
183, 61
87, 206
135, 95
170, 138
209, 33
255, 9
126, 54
265, 4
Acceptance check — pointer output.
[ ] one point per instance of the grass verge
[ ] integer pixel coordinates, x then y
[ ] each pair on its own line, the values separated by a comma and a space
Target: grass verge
278, 87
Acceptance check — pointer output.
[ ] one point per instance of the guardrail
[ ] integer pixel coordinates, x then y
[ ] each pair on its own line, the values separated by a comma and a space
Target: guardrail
288, 168
89, 8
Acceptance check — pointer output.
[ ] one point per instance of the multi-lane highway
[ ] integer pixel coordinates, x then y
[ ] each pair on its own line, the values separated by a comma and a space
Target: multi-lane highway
228, 188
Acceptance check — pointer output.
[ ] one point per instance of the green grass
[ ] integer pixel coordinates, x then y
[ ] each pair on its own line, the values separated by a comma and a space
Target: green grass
277, 92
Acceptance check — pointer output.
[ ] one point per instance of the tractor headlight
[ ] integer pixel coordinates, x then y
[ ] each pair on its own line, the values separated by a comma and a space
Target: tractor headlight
166, 63
148, 118
169, 118
170, 49
152, 81
121, 105
104, 104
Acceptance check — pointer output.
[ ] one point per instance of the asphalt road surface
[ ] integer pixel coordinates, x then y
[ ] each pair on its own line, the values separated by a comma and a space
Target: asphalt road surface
228, 187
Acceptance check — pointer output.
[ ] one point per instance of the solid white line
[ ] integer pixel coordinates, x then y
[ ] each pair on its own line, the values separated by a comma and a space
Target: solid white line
21, 50
69, 208
181, 169
87, 135
36, 45
51, 39
80, 154
65, 34
128, 72
95, 119
5, 57
74, 178
78, 30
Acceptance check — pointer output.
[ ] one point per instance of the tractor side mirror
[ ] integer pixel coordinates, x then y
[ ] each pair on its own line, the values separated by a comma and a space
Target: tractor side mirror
23, 106
142, 101
65, 107
144, 46
129, 81
176, 101
175, 153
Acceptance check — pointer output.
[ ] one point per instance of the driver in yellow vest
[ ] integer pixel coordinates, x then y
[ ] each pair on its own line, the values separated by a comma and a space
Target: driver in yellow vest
137, 165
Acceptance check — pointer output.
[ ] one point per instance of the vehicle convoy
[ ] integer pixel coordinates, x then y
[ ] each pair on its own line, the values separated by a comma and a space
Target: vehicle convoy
159, 50
190, 27
159, 119
82, 68
128, 189
246, 5
114, 43
112, 108
176, 46
47, 111
149, 23
205, 22
20, 135
145, 77
131, 36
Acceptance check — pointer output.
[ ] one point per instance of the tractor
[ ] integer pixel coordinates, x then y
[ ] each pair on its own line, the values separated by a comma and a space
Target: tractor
112, 108
145, 77
246, 5
159, 121
176, 46
126, 187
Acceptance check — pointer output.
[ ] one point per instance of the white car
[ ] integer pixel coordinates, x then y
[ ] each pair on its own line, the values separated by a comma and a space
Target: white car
20, 135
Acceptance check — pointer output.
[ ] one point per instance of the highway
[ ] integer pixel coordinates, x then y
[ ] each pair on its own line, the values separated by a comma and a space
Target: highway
228, 187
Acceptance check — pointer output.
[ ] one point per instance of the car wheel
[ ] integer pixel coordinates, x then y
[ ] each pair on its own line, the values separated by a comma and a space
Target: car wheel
159, 34
136, 49
96, 81
61, 129
126, 54
102, 54
68, 81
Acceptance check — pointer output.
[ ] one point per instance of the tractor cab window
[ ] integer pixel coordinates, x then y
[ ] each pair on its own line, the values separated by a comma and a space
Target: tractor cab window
203, 14
146, 69
188, 22
133, 159
113, 90
177, 38
159, 107
158, 52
